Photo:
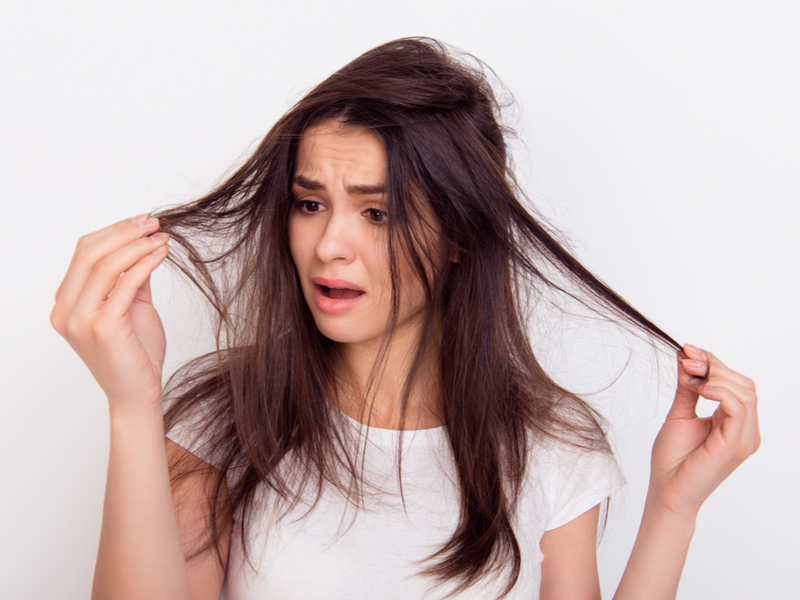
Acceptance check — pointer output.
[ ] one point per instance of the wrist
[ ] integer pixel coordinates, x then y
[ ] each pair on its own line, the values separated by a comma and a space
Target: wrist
659, 554
657, 515
127, 419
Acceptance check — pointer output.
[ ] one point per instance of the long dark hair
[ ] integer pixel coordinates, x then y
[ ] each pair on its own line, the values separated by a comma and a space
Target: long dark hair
263, 393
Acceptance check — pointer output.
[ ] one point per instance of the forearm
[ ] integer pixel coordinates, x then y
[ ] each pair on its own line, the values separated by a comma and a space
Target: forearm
659, 554
140, 554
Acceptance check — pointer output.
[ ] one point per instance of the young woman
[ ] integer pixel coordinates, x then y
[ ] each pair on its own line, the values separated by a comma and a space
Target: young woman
374, 423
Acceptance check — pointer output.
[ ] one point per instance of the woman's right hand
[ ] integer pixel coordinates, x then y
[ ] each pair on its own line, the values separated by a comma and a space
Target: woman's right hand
105, 311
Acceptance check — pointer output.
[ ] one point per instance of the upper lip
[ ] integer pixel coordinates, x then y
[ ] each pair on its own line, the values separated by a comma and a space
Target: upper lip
337, 283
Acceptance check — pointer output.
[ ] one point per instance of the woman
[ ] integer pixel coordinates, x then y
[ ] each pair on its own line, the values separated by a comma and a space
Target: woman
374, 422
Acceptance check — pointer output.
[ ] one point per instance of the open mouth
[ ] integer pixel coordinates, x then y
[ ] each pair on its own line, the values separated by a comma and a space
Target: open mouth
336, 296
340, 293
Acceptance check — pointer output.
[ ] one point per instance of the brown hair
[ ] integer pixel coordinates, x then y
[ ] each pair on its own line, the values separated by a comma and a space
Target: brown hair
263, 391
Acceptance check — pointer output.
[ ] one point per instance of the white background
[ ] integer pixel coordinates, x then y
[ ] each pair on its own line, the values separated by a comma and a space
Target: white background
664, 137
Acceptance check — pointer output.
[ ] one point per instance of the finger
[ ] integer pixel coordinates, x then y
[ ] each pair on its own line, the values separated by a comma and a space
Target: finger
687, 393
134, 284
90, 238
716, 366
737, 415
105, 274
751, 437
730, 416
719, 368
696, 368
693, 353
143, 293
110, 229
95, 246
745, 395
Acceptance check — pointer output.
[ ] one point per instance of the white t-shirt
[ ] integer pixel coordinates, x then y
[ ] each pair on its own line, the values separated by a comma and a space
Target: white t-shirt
335, 551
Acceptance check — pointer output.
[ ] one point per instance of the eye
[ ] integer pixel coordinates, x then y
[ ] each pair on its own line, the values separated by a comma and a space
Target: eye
308, 206
376, 216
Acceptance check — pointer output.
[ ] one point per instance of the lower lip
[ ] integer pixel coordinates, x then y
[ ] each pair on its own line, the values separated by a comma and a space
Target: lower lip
333, 306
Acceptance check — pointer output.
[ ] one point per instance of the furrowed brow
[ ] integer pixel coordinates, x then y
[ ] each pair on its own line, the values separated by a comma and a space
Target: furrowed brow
308, 184
367, 190
359, 190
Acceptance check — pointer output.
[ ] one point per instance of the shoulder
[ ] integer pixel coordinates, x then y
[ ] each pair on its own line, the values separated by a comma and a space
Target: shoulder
193, 428
564, 480
197, 415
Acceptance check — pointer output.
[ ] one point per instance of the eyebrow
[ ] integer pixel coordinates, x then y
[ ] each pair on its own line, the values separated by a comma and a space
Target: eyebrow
361, 190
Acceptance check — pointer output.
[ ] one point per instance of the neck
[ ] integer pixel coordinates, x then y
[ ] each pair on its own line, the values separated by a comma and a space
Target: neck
374, 392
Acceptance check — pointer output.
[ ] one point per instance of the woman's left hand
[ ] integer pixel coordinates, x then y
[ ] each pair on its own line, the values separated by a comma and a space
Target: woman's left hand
692, 455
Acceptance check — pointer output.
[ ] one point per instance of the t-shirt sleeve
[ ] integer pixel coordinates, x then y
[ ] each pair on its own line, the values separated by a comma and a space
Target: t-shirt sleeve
197, 433
192, 433
579, 480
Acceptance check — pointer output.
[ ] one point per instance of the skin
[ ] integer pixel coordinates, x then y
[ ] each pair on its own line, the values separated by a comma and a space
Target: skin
104, 310
337, 231
691, 456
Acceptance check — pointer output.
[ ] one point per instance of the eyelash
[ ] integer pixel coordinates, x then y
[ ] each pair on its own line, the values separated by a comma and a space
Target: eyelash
303, 205
382, 214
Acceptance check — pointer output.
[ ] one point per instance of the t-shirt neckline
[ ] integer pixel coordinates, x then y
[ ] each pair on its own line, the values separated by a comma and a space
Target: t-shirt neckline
384, 436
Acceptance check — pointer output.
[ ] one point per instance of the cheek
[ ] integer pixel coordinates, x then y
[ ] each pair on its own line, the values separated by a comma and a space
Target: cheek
410, 287
375, 257
297, 244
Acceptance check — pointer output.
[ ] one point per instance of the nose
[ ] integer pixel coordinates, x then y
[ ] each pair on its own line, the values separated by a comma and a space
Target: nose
336, 241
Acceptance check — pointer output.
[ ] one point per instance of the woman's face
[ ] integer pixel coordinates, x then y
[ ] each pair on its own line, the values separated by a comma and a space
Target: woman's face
338, 236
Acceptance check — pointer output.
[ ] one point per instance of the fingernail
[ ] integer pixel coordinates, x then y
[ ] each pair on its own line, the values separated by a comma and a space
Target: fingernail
139, 218
148, 223
693, 349
690, 363
158, 236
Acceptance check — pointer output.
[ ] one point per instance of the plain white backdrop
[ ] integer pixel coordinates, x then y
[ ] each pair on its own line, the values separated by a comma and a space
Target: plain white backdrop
665, 137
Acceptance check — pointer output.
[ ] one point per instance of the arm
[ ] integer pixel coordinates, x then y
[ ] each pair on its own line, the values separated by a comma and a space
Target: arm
149, 528
206, 571
140, 553
569, 568
691, 457
104, 310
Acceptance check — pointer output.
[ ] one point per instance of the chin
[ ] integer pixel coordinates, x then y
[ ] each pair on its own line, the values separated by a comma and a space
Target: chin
345, 333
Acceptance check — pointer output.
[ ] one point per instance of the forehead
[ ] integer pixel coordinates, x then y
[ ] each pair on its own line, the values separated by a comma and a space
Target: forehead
331, 153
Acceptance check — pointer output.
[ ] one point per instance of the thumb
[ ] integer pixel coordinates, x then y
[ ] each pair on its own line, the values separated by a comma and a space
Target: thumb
691, 378
143, 294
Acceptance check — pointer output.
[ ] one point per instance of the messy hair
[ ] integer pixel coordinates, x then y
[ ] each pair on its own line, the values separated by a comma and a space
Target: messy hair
266, 392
